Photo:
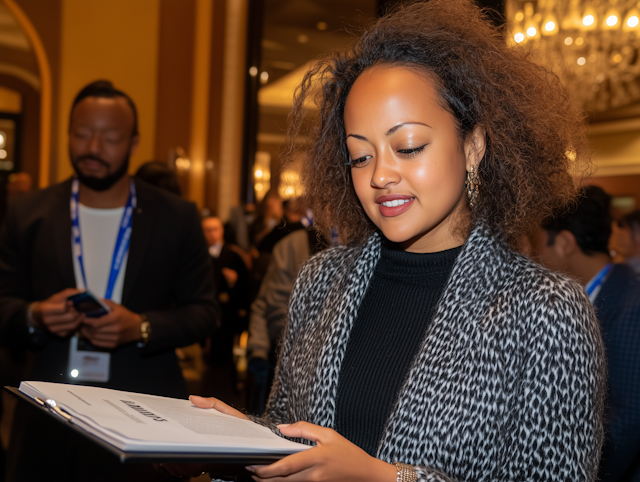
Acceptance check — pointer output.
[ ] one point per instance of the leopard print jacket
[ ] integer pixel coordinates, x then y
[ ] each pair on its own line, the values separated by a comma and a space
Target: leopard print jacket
508, 383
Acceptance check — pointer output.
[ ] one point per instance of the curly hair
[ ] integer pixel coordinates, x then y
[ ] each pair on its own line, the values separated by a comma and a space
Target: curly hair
534, 134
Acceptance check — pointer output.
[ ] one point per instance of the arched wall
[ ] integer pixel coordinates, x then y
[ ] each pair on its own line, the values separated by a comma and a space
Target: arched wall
45, 91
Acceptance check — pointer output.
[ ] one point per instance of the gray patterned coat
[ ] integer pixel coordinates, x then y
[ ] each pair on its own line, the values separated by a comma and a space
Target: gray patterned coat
508, 382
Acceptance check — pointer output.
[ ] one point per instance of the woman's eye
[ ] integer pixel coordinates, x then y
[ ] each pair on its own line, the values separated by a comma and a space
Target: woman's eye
409, 153
359, 161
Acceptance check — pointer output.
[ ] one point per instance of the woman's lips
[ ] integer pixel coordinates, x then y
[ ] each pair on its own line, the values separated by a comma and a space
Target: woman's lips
390, 212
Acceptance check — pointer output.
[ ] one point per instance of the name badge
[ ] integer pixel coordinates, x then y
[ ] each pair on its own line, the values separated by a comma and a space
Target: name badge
87, 363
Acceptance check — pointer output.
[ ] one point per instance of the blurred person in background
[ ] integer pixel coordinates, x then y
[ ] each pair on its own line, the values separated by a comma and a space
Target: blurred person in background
269, 309
18, 183
625, 239
291, 220
231, 278
294, 210
64, 239
158, 174
268, 215
576, 243
236, 229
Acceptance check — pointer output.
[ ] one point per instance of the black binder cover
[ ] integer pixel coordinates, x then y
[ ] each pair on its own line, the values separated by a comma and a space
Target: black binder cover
224, 463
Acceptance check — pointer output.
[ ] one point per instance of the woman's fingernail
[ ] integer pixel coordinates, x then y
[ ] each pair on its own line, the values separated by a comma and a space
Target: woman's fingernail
251, 469
283, 425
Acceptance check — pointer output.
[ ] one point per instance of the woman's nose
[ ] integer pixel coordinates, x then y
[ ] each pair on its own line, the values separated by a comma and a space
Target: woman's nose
385, 171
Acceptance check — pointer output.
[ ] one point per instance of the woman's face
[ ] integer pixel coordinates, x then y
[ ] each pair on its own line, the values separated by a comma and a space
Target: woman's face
408, 161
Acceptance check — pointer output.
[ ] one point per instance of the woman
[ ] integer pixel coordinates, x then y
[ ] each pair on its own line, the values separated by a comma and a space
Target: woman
425, 348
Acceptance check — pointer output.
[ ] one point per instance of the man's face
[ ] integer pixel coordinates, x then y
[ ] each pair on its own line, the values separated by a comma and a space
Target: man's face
213, 230
621, 240
101, 140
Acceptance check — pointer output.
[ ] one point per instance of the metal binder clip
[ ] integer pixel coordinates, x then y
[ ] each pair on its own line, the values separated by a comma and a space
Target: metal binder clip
53, 406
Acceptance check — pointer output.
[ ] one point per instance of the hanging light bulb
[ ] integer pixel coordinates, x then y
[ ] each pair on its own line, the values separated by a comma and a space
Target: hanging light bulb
589, 19
631, 20
611, 20
530, 24
550, 25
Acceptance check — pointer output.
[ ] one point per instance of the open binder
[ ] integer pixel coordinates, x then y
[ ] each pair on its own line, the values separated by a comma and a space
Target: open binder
67, 419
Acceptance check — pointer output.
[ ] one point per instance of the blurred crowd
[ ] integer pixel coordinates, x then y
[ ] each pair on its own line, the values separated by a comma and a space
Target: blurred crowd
214, 292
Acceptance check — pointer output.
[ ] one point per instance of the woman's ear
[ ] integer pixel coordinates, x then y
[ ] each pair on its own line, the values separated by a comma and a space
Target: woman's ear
475, 146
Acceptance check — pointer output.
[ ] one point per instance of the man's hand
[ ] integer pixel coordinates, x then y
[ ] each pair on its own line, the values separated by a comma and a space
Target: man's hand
117, 327
231, 276
57, 315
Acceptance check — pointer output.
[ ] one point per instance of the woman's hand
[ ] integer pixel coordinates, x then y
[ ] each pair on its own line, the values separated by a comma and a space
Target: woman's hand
216, 404
334, 458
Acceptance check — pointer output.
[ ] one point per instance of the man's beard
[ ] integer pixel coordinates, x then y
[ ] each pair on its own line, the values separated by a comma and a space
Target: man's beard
100, 183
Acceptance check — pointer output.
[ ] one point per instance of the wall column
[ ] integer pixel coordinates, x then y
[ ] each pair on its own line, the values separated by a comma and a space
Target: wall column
200, 100
232, 106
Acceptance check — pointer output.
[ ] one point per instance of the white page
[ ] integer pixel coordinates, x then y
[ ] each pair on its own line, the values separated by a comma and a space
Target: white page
137, 422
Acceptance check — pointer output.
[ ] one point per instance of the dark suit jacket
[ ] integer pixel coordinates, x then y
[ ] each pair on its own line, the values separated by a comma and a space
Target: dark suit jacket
232, 300
168, 277
238, 296
618, 309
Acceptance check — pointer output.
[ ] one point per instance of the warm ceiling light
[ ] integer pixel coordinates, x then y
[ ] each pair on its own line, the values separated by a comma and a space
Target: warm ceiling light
612, 20
519, 37
568, 41
633, 21
582, 61
531, 31
258, 173
588, 20
264, 77
321, 25
303, 39
253, 71
579, 41
549, 26
519, 16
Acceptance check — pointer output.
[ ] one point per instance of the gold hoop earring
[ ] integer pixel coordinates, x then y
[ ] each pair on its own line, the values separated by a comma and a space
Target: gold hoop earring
472, 184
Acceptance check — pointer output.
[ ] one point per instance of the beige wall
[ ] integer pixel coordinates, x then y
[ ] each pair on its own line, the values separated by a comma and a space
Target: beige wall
617, 153
122, 47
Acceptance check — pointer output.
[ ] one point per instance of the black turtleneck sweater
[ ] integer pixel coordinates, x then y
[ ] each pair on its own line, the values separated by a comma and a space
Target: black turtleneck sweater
390, 327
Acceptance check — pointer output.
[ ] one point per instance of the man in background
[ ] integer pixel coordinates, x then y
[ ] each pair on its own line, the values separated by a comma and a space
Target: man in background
576, 244
626, 239
138, 248
231, 277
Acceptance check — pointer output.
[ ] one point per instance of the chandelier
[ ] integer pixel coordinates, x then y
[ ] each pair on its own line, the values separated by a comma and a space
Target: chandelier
594, 45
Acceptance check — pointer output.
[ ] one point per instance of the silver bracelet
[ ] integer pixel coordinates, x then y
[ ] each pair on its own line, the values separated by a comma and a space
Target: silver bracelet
406, 472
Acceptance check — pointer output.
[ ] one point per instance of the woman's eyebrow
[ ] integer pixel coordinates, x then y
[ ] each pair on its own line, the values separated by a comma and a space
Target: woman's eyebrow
396, 127
390, 131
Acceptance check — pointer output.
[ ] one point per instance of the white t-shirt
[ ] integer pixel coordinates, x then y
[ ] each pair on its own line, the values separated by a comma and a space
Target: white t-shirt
99, 231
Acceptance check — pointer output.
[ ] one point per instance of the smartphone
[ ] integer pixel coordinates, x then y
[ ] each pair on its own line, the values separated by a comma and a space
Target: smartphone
87, 303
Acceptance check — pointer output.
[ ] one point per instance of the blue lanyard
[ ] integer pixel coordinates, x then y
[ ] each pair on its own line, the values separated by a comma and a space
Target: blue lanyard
122, 241
599, 279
